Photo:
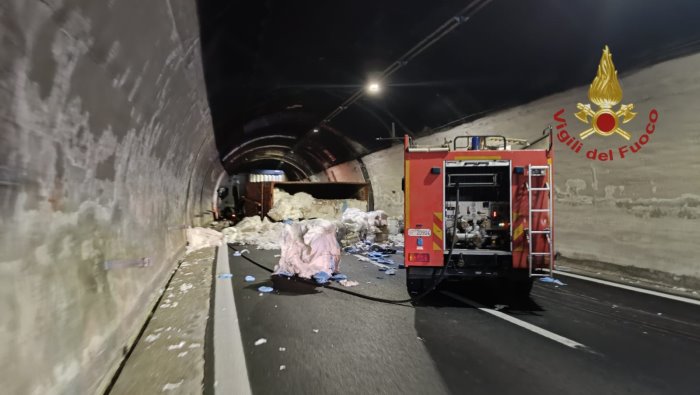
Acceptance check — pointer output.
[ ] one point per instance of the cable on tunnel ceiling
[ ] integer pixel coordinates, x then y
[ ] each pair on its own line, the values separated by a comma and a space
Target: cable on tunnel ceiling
448, 26
253, 140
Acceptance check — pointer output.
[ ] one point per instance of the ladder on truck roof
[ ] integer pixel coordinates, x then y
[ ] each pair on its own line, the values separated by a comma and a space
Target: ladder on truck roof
546, 172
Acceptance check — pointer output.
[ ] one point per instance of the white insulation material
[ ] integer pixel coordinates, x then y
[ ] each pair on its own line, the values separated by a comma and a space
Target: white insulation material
350, 227
360, 225
309, 247
251, 230
397, 239
198, 238
301, 205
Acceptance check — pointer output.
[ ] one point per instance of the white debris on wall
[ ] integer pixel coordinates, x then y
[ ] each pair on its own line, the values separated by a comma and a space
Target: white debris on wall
308, 248
301, 205
198, 238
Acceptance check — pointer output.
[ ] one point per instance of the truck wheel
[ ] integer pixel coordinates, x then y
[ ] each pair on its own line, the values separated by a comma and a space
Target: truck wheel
520, 288
413, 285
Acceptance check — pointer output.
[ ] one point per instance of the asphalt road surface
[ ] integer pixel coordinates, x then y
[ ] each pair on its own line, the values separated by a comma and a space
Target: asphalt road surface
579, 338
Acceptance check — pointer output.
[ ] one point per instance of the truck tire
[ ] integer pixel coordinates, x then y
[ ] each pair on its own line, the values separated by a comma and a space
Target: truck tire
520, 288
414, 286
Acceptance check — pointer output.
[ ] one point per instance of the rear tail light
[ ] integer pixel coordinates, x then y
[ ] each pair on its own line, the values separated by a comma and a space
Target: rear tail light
418, 257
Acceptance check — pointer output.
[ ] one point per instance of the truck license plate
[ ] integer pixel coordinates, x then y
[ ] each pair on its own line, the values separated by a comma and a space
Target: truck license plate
419, 232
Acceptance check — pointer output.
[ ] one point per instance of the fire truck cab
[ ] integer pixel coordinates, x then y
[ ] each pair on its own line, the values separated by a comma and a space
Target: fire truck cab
477, 208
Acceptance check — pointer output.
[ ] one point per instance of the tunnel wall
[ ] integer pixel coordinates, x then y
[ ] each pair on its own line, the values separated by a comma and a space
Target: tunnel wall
641, 211
106, 155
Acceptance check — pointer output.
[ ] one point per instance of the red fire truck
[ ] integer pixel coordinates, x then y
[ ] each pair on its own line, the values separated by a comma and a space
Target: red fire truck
477, 208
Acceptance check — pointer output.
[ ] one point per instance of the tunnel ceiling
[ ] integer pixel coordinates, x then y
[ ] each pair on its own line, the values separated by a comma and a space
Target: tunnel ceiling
275, 69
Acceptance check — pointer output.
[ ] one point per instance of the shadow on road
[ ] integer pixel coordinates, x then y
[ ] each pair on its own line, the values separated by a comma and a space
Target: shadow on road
490, 294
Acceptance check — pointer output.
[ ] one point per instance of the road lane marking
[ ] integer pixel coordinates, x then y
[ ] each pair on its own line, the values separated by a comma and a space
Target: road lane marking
526, 325
629, 287
230, 371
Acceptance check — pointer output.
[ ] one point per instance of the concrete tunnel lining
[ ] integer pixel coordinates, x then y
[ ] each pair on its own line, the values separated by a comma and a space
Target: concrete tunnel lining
99, 135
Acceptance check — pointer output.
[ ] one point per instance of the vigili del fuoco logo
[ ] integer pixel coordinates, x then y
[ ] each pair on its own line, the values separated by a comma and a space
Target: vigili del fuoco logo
604, 119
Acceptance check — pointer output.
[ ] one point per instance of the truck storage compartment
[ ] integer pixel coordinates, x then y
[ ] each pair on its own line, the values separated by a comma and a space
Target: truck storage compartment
483, 221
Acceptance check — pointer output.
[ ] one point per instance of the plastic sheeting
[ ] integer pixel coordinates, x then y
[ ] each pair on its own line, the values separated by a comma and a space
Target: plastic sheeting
309, 248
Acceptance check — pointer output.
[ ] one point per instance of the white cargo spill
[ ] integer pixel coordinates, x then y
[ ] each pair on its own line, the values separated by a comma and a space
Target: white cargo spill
301, 205
251, 230
354, 225
361, 225
198, 238
309, 247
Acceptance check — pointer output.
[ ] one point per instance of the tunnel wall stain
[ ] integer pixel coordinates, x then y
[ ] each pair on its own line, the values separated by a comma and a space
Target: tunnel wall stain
643, 211
106, 153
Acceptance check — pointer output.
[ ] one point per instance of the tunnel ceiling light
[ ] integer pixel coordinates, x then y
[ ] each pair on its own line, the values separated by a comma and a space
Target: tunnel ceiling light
374, 88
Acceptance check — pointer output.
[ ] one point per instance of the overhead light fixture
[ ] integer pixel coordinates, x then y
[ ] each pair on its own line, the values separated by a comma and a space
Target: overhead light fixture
315, 130
373, 88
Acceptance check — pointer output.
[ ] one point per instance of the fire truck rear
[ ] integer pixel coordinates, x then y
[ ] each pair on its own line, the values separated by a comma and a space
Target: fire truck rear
477, 208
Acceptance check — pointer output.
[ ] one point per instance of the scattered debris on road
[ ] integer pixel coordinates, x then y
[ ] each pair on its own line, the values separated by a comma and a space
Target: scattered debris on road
550, 280
172, 386
176, 346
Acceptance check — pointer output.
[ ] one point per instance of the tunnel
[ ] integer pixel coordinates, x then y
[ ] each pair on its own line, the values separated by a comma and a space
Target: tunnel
125, 125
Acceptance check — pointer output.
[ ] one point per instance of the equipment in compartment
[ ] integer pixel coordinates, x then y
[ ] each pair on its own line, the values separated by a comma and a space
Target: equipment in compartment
480, 224
484, 219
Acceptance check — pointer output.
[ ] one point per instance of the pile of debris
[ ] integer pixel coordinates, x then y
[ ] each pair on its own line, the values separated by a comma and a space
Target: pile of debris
253, 231
357, 225
301, 205
313, 231
198, 238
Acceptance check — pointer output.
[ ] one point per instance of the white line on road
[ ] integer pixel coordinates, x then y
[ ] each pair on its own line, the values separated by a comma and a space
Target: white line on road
629, 287
230, 370
532, 328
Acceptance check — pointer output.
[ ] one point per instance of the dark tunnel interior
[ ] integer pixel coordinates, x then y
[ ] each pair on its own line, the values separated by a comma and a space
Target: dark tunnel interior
274, 69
